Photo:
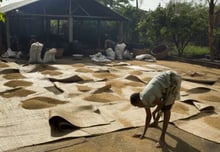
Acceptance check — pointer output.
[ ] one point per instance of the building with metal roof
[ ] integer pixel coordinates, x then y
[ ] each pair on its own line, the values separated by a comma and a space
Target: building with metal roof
61, 23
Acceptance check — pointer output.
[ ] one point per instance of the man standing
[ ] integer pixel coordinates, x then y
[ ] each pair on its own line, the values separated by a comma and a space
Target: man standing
161, 91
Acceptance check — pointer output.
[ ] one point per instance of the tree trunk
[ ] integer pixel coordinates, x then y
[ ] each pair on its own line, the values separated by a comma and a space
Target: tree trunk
137, 4
211, 29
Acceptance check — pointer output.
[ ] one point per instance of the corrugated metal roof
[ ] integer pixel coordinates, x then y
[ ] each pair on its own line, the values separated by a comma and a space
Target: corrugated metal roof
88, 9
15, 5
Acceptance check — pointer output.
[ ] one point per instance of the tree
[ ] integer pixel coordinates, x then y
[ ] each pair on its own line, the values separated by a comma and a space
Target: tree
178, 24
2, 18
184, 24
211, 27
135, 16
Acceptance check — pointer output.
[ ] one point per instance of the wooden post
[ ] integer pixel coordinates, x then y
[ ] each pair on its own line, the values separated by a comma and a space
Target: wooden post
98, 34
8, 32
70, 23
121, 31
70, 29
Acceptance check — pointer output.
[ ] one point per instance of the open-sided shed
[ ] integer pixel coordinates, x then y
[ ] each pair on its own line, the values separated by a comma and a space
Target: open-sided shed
60, 23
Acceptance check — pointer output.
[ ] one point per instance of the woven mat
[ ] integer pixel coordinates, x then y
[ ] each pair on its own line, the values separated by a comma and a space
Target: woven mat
90, 100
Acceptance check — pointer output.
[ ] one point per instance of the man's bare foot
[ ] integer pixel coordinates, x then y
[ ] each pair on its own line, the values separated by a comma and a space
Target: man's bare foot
160, 144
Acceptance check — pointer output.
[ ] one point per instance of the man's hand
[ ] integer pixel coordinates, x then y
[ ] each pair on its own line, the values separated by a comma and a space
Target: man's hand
156, 116
139, 135
147, 122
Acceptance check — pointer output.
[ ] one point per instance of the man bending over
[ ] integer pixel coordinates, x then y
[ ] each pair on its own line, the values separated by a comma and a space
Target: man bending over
161, 91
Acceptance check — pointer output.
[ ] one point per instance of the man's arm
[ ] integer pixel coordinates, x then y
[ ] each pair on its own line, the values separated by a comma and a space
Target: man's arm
147, 121
160, 103
156, 113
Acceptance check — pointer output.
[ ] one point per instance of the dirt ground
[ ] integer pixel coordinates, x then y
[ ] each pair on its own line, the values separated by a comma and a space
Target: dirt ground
122, 141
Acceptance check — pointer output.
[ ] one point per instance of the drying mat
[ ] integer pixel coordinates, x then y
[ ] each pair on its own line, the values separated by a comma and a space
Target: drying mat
34, 129
182, 110
201, 106
123, 114
140, 68
21, 125
134, 78
207, 127
202, 94
157, 67
187, 85
82, 88
204, 80
76, 117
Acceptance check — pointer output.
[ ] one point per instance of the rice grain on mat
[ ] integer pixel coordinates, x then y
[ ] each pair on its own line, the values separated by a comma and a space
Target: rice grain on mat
78, 65
105, 75
180, 108
136, 73
17, 93
17, 83
123, 84
102, 97
209, 97
122, 68
41, 102
84, 70
84, 88
40, 68
3, 65
213, 121
13, 76
51, 72
124, 122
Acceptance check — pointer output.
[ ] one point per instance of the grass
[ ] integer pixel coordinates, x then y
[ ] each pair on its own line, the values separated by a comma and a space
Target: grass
192, 50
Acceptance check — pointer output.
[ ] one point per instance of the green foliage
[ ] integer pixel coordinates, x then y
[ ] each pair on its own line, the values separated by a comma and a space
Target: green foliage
115, 4
192, 50
135, 16
2, 18
178, 24
152, 27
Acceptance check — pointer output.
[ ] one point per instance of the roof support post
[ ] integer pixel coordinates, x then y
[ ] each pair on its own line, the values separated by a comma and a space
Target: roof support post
8, 32
70, 29
121, 31
98, 34
70, 22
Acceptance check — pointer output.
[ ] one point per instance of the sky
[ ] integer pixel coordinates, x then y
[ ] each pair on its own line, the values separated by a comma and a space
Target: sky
153, 4
146, 4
